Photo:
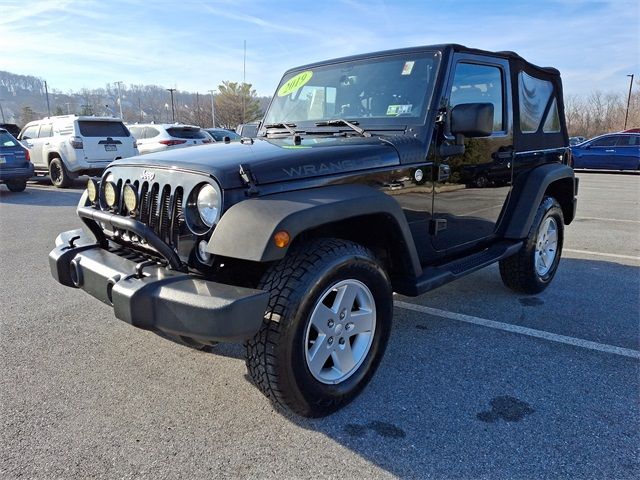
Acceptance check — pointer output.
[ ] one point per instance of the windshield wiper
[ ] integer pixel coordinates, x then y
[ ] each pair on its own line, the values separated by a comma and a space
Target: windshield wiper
288, 126
341, 121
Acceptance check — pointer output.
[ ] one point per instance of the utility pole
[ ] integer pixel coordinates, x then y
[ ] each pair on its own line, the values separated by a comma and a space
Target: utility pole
68, 109
46, 92
626, 117
244, 80
213, 110
2, 111
140, 108
119, 99
173, 112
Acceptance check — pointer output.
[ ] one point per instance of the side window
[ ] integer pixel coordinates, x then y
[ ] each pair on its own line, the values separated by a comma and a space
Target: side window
628, 140
137, 132
30, 132
608, 141
46, 130
534, 95
150, 132
552, 123
473, 83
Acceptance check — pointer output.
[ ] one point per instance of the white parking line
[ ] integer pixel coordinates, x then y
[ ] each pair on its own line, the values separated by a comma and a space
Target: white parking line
601, 254
599, 219
507, 327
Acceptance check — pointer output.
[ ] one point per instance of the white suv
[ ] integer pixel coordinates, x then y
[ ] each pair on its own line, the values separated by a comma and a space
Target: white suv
70, 145
157, 137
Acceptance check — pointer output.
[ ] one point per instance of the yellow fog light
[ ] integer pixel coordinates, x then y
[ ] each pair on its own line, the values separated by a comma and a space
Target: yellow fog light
110, 194
92, 190
130, 197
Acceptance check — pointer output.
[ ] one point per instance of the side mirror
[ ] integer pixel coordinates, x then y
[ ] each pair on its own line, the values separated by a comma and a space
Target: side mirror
25, 138
472, 119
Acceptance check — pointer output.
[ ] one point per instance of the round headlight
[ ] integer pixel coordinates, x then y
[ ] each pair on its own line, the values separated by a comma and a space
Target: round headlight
208, 203
92, 190
130, 197
110, 194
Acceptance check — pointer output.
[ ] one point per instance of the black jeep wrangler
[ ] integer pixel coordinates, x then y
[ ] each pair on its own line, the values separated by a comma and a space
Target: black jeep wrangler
356, 187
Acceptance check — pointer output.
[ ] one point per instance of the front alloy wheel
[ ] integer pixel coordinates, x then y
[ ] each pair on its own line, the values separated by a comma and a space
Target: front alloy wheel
325, 329
340, 332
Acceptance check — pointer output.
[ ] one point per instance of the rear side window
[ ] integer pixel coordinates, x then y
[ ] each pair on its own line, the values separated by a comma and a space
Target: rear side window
102, 129
7, 140
187, 133
552, 123
534, 98
45, 131
628, 140
474, 83
150, 132
31, 132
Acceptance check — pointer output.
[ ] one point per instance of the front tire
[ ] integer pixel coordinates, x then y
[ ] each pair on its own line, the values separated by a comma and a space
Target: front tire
326, 327
534, 266
58, 173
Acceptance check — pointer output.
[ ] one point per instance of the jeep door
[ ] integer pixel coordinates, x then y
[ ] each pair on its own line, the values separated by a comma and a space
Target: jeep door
471, 189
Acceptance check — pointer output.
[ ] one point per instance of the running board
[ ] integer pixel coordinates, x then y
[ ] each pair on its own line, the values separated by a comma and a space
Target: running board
434, 277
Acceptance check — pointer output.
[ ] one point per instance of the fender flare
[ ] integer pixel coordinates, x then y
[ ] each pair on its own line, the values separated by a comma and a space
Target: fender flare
246, 230
529, 191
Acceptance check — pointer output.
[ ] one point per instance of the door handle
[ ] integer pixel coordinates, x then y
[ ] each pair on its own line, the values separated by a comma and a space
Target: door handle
610, 151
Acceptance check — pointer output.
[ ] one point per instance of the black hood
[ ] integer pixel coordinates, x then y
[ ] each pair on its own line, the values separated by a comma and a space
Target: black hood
275, 160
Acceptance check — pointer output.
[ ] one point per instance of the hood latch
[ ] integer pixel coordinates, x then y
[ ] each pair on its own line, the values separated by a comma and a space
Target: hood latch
249, 180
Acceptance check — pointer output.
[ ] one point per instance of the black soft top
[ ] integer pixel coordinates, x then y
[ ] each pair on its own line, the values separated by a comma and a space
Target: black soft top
523, 141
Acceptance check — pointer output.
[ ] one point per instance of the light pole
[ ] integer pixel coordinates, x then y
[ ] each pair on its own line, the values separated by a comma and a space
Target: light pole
628, 101
119, 99
2, 111
213, 110
46, 92
173, 112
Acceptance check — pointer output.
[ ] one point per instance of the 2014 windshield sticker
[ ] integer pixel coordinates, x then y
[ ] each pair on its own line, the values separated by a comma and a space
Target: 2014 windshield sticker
295, 83
398, 109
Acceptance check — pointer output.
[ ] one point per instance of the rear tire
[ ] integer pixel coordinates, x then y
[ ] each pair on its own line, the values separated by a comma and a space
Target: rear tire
58, 173
325, 329
17, 185
534, 266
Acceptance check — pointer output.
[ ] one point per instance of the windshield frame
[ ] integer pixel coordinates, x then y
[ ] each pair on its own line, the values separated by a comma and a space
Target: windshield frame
373, 123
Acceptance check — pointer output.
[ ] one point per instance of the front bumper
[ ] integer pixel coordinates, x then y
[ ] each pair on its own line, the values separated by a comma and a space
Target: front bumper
20, 173
155, 297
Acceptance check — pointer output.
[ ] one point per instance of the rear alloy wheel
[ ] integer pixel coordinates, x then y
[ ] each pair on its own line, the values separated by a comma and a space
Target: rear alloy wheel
534, 266
17, 185
325, 329
58, 173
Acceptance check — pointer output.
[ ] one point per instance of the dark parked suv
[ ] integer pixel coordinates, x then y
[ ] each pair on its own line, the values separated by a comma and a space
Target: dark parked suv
354, 188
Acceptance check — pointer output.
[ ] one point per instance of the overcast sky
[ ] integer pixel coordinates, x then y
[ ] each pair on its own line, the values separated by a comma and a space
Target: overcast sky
195, 45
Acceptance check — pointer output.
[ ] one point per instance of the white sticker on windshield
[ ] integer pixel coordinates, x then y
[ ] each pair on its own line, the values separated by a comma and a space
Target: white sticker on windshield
398, 109
408, 68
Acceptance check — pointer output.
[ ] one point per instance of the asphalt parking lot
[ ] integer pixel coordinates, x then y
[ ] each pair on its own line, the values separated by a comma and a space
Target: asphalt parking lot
477, 382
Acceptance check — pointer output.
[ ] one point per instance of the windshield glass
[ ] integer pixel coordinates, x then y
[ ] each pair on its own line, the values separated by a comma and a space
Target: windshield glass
372, 90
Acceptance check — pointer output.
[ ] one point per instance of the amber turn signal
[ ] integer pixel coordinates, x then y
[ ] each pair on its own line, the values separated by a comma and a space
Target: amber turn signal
281, 239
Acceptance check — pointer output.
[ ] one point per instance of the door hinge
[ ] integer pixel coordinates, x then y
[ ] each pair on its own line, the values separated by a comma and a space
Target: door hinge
437, 225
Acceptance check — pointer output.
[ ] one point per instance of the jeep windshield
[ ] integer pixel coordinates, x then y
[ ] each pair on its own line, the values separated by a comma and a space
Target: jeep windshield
391, 90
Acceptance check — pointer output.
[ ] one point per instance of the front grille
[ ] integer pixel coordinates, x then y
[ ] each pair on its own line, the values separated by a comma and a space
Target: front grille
159, 207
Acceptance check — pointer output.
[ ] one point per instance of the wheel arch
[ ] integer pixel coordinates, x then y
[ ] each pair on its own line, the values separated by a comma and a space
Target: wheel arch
556, 180
350, 212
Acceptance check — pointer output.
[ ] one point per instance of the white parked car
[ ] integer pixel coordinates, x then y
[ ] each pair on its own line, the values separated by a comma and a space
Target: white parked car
69, 145
157, 137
